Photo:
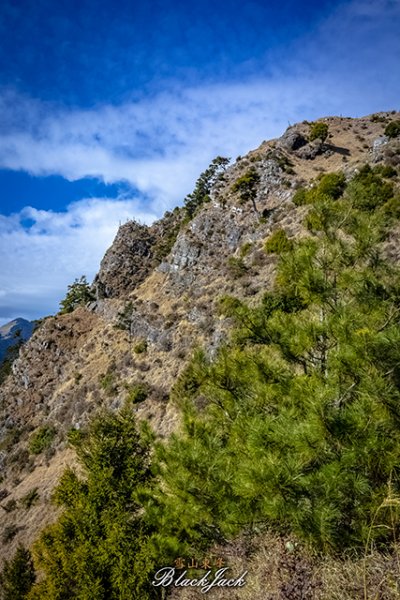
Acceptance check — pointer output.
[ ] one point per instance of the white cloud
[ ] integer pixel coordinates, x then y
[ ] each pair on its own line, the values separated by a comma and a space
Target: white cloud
160, 145
38, 263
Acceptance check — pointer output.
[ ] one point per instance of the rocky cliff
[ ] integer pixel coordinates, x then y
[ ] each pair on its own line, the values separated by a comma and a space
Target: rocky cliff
157, 296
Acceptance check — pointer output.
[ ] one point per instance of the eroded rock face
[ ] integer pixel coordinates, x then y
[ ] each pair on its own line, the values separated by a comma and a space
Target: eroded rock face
311, 150
135, 252
387, 150
127, 262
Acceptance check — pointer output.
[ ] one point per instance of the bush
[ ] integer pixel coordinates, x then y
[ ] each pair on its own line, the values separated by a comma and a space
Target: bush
108, 383
138, 393
332, 184
41, 439
236, 267
392, 130
378, 118
278, 243
9, 533
367, 190
140, 347
318, 130
300, 197
386, 171
245, 249
392, 208
10, 505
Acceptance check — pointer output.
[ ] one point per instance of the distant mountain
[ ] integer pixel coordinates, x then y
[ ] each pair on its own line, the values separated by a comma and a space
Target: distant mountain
14, 331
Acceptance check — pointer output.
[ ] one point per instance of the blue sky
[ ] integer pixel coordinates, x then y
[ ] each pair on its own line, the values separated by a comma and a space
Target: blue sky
109, 111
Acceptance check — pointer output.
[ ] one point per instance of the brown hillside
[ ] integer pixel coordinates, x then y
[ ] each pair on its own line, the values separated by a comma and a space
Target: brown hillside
157, 292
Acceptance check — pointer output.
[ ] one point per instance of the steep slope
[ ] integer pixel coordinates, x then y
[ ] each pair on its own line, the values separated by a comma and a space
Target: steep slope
157, 299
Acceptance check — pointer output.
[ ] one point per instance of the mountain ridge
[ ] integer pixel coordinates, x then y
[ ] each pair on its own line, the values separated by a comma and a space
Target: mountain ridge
157, 300
12, 332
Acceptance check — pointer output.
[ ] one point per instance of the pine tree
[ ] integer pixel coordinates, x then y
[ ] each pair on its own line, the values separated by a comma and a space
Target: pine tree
204, 184
79, 293
18, 576
247, 186
301, 423
98, 547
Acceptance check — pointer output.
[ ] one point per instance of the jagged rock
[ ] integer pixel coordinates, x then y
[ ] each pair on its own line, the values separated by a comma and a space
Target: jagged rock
380, 141
105, 308
127, 262
185, 254
378, 146
135, 252
311, 150
292, 140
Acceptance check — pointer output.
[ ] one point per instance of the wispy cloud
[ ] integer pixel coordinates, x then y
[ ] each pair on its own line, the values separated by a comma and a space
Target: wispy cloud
160, 143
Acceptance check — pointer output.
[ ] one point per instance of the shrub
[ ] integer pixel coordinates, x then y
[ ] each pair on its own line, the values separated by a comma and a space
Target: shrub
30, 498
391, 208
245, 249
138, 392
392, 129
10, 505
367, 190
236, 267
332, 184
108, 383
9, 533
140, 347
278, 242
318, 130
300, 197
378, 118
386, 171
41, 439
